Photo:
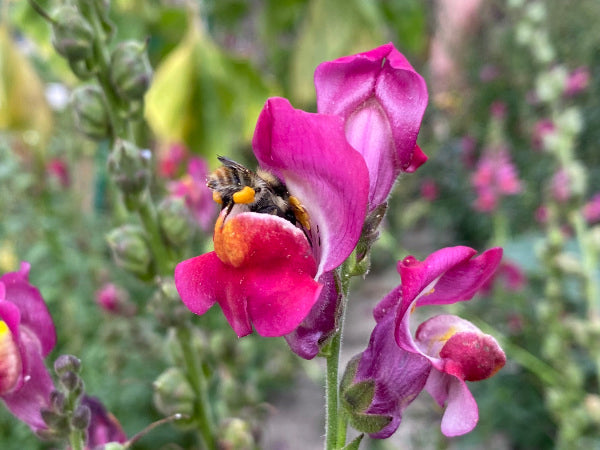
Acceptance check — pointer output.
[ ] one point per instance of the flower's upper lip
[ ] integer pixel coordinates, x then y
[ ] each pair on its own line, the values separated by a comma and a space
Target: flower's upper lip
310, 153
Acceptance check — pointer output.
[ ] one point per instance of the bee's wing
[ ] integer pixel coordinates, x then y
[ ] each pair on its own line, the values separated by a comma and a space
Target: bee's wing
232, 164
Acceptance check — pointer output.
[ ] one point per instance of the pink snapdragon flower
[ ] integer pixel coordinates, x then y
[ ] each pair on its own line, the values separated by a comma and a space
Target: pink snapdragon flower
104, 427
172, 162
541, 129
381, 99
446, 350
198, 197
27, 336
264, 271
59, 169
577, 81
494, 177
591, 210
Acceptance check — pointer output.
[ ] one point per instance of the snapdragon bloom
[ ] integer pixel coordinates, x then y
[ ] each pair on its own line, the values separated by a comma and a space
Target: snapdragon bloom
381, 99
494, 177
591, 210
192, 188
27, 335
104, 427
264, 271
446, 350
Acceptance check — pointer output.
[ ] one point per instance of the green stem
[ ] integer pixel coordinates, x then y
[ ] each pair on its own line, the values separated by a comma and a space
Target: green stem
331, 387
161, 252
589, 261
195, 375
76, 439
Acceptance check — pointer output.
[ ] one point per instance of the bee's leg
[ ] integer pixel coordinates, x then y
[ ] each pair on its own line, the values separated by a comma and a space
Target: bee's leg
229, 208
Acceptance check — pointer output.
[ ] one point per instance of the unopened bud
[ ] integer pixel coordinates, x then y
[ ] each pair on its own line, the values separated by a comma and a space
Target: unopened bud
91, 116
174, 220
130, 167
57, 400
72, 35
130, 250
236, 434
67, 363
70, 381
81, 417
130, 70
55, 421
173, 394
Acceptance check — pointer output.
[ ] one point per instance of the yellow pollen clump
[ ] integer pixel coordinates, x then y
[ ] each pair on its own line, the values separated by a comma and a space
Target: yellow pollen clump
299, 212
448, 334
217, 198
245, 196
3, 328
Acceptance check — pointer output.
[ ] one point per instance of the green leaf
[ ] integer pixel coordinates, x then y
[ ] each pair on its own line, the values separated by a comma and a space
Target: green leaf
369, 423
349, 373
355, 443
358, 397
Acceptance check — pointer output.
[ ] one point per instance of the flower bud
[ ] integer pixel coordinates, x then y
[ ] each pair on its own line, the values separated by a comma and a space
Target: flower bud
174, 220
81, 417
56, 421
67, 363
89, 108
57, 400
130, 70
130, 167
130, 250
236, 434
72, 35
173, 393
70, 381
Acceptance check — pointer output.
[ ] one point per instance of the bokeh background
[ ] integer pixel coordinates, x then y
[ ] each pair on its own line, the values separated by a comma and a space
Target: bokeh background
512, 132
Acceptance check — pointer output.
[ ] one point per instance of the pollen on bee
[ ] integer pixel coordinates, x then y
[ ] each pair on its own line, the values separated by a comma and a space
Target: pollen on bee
217, 198
299, 212
245, 196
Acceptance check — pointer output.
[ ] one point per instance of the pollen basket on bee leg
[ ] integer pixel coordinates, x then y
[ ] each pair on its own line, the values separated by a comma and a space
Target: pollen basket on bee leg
245, 196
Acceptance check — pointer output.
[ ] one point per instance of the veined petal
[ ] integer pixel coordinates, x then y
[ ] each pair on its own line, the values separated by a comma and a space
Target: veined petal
27, 401
310, 153
33, 310
381, 99
399, 375
262, 273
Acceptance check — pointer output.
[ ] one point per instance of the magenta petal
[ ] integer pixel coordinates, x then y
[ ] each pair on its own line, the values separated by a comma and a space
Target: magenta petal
381, 100
34, 312
311, 154
26, 402
461, 414
399, 376
261, 273
320, 323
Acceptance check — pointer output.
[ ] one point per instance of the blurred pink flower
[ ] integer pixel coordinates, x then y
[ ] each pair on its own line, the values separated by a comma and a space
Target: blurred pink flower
489, 73
591, 210
494, 177
498, 110
429, 189
58, 169
198, 197
577, 81
172, 163
541, 129
560, 186
467, 150
114, 300
511, 276
104, 427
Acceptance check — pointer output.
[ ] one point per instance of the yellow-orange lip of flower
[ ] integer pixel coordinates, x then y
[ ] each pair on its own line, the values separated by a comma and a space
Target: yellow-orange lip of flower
11, 365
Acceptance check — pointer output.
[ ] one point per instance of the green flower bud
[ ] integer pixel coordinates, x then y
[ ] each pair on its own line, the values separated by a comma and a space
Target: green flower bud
130, 167
67, 363
236, 433
70, 380
81, 417
55, 421
91, 116
173, 393
130, 70
130, 250
174, 221
72, 35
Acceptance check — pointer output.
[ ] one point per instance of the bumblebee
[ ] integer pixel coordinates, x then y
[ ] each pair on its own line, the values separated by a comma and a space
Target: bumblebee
260, 191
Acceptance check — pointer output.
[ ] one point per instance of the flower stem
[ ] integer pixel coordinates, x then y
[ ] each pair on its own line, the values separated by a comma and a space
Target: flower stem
331, 386
76, 439
195, 375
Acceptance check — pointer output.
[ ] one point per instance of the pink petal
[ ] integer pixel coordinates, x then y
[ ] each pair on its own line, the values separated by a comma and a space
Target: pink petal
261, 272
310, 153
382, 100
33, 309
